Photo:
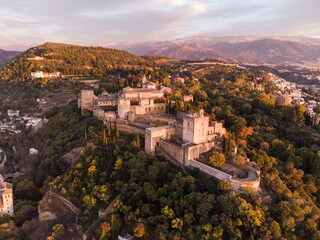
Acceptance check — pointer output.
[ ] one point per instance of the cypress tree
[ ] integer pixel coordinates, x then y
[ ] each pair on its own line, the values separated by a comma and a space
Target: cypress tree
117, 133
138, 141
109, 130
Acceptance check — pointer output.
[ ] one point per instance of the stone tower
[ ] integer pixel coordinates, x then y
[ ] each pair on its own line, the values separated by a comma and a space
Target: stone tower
123, 108
195, 128
87, 98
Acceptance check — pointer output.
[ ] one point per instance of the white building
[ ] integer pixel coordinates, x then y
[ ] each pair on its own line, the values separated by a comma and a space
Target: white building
13, 113
33, 151
40, 74
34, 123
37, 74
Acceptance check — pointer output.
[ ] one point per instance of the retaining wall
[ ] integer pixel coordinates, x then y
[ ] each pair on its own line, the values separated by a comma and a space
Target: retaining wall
237, 184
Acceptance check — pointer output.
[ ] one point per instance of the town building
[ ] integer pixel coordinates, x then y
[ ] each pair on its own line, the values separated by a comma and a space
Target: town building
33, 151
187, 98
94, 83
13, 113
6, 198
40, 74
280, 98
127, 236
145, 106
34, 123
256, 86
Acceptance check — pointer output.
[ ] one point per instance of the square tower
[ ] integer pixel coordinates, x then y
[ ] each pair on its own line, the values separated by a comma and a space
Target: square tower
87, 98
195, 128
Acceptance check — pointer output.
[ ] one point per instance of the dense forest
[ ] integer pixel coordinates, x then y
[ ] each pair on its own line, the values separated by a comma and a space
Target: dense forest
154, 199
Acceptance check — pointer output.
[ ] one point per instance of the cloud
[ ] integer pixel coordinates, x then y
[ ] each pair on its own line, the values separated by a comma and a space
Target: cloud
89, 22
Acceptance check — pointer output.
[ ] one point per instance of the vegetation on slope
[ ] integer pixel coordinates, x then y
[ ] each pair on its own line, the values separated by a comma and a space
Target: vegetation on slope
69, 60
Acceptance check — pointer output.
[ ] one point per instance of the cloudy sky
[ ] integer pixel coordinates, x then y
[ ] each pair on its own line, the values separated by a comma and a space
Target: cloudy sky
95, 21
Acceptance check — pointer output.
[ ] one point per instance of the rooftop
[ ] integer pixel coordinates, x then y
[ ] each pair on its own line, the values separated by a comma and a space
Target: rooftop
152, 129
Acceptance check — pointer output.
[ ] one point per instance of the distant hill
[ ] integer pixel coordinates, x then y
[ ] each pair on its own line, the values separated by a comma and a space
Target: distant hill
274, 50
270, 50
6, 56
69, 60
192, 51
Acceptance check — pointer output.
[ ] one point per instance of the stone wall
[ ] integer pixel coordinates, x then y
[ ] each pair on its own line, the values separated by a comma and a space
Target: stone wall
158, 108
123, 108
173, 150
154, 135
237, 184
210, 170
128, 128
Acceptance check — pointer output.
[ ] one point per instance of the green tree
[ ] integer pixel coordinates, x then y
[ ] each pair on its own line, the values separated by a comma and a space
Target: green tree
215, 158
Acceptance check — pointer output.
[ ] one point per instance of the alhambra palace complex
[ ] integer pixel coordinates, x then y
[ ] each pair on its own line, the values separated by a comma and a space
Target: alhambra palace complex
179, 139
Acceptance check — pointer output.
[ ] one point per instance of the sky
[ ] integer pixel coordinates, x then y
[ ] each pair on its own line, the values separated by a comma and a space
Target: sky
89, 22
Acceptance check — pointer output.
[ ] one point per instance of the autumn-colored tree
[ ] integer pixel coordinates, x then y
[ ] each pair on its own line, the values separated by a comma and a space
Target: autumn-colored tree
118, 164
58, 231
105, 229
224, 186
244, 132
177, 223
139, 230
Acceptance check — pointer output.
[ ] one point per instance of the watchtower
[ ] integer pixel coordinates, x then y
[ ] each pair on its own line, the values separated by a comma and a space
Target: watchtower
195, 128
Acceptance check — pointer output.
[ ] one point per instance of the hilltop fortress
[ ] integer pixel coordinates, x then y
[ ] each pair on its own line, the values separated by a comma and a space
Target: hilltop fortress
179, 139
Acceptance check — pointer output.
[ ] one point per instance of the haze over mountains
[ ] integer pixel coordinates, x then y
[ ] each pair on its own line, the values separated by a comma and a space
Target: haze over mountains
6, 56
298, 50
274, 50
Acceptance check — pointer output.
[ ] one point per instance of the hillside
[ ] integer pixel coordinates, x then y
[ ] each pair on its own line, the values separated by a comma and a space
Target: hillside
6, 56
69, 60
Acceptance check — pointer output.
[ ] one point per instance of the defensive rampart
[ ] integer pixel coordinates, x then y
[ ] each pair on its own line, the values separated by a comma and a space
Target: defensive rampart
237, 184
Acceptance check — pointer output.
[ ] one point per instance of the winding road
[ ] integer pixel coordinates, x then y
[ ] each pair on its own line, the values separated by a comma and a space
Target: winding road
3, 158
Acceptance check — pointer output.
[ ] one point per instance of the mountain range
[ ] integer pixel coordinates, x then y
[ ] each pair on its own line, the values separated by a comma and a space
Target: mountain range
6, 56
251, 49
299, 50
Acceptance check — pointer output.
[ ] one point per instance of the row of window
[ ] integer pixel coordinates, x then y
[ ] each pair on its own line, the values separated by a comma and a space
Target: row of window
155, 108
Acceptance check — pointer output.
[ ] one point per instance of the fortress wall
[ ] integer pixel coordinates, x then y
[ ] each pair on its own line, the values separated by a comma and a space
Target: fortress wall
239, 185
173, 150
179, 130
210, 170
236, 184
157, 108
195, 151
129, 129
